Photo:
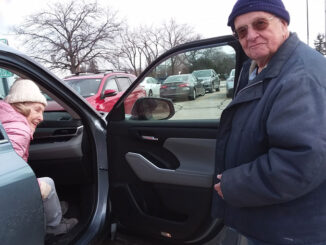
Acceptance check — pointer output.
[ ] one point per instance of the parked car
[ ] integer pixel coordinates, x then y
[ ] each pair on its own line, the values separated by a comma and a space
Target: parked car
230, 84
103, 90
182, 86
151, 86
209, 78
139, 171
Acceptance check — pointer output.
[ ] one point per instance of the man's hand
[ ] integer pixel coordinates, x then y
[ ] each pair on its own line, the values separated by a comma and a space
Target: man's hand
217, 187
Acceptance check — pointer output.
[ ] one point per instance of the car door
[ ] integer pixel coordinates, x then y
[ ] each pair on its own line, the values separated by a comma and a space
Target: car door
21, 208
161, 171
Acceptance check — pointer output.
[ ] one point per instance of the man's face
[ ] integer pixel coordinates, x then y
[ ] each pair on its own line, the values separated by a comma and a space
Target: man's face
36, 114
260, 45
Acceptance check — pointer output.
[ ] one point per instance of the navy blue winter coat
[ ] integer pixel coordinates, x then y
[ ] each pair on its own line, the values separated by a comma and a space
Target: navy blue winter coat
271, 150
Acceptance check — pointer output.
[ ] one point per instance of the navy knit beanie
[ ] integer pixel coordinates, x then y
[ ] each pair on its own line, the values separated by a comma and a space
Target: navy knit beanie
275, 7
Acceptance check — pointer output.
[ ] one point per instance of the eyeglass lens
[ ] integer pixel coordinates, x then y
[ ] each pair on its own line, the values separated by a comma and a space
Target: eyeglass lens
258, 25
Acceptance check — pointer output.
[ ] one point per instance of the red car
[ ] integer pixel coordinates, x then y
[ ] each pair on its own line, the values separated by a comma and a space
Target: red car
103, 90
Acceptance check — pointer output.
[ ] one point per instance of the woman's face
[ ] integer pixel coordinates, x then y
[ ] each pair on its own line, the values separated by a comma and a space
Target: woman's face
36, 114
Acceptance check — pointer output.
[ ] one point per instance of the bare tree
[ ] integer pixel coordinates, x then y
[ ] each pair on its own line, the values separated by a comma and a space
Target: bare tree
142, 45
68, 35
150, 43
130, 51
174, 35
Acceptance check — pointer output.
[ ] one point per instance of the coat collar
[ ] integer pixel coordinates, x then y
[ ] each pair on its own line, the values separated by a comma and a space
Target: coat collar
276, 63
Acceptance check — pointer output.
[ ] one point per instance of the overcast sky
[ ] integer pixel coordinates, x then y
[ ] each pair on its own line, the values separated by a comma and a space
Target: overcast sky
208, 17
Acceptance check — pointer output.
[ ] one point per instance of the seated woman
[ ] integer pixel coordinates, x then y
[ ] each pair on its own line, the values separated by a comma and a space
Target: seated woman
20, 113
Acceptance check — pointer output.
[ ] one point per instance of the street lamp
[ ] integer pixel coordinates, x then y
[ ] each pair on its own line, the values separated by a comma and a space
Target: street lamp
325, 21
307, 7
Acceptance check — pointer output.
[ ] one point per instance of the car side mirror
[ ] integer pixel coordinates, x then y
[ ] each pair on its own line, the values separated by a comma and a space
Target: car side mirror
109, 93
152, 109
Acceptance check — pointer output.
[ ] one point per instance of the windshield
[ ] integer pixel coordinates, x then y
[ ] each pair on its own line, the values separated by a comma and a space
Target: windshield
85, 87
202, 73
178, 78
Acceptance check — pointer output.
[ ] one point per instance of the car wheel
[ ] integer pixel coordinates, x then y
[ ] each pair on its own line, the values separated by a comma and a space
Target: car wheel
218, 88
150, 93
204, 92
211, 89
194, 95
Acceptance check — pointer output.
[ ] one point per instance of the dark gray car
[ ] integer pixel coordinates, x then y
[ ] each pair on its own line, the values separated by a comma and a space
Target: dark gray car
181, 86
209, 79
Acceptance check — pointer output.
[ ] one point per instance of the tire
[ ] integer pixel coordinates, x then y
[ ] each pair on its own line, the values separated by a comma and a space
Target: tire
194, 95
218, 88
211, 89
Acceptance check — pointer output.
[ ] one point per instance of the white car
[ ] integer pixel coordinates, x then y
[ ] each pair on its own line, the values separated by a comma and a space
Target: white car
152, 87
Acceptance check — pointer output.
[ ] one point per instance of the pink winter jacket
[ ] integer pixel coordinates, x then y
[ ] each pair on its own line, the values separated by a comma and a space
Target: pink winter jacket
17, 129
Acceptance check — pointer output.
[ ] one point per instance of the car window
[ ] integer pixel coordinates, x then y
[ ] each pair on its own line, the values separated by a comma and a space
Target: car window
3, 89
86, 87
111, 84
123, 82
211, 96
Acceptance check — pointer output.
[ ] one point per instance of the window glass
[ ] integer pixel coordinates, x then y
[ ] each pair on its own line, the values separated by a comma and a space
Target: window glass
204, 99
6, 80
111, 84
85, 87
3, 91
123, 82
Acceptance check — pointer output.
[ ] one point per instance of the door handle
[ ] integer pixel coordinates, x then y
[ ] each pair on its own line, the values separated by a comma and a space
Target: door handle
151, 138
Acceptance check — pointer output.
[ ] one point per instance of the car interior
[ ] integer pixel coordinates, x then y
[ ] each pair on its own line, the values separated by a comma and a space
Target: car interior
60, 149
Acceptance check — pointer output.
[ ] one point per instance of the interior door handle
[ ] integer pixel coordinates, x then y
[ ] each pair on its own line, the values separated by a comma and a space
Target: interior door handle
151, 138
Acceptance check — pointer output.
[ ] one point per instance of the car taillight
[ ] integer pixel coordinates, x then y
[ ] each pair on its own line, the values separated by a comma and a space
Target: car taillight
183, 85
164, 86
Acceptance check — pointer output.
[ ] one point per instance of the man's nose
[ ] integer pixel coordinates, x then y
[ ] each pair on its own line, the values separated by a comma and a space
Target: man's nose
251, 33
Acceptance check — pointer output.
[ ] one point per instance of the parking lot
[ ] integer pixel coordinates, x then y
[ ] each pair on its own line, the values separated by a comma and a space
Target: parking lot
209, 106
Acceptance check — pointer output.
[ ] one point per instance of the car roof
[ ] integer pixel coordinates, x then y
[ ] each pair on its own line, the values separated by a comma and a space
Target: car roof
95, 75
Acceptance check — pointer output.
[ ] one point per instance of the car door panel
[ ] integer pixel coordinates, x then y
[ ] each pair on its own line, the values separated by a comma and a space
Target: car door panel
21, 199
152, 189
189, 173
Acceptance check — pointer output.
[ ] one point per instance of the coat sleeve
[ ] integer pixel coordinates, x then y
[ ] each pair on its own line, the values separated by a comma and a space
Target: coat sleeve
295, 163
19, 137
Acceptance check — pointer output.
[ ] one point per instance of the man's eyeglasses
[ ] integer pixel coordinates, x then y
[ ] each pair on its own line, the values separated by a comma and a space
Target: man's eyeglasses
259, 24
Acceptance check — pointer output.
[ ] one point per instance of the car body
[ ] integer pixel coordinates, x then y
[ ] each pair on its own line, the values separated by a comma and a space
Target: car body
151, 86
209, 78
230, 84
103, 90
144, 170
181, 86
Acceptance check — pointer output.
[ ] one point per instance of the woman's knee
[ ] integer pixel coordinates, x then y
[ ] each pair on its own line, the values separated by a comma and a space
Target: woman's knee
47, 187
48, 180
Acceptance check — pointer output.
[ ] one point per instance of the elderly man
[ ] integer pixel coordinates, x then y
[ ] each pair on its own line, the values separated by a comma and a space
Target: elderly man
271, 145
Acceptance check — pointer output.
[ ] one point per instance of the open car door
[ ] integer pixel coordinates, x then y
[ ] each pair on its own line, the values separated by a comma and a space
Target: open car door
161, 166
21, 209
